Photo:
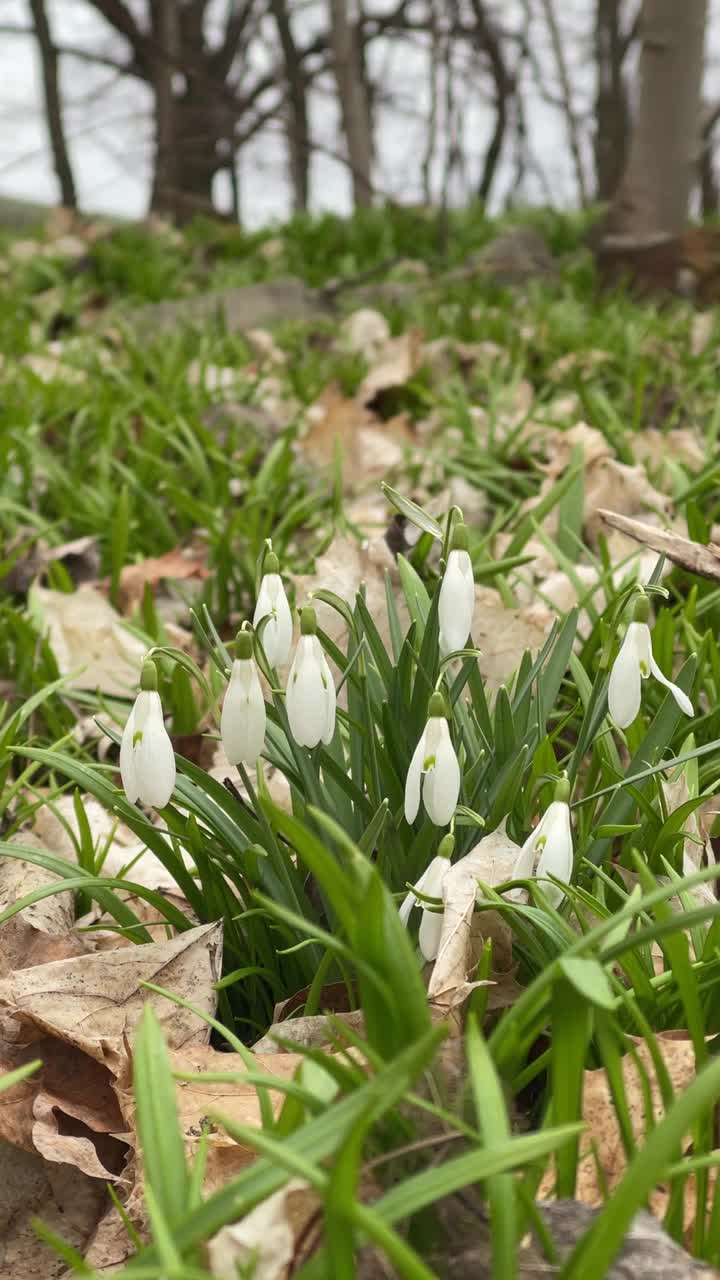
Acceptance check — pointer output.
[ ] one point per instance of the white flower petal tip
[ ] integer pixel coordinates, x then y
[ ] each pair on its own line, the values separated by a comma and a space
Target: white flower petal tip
434, 771
431, 885
548, 849
310, 698
456, 604
272, 603
634, 663
244, 719
681, 698
147, 761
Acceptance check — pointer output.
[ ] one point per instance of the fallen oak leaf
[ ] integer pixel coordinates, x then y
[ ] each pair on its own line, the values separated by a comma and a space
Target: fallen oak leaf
175, 564
694, 556
94, 1002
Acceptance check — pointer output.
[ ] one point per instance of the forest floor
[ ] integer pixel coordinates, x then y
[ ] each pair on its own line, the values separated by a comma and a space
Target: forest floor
244, 1059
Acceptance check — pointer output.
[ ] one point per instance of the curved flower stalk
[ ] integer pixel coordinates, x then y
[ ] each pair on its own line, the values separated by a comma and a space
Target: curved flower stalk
310, 694
147, 761
634, 663
244, 719
457, 595
549, 848
272, 604
430, 884
434, 769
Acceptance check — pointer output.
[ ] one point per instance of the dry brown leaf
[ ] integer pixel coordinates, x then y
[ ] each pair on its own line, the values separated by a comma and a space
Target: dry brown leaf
67, 1201
177, 564
43, 931
398, 361
365, 333
265, 1240
705, 561
94, 1002
85, 632
465, 931
369, 448
308, 1033
342, 569
237, 1100
656, 448
601, 1141
502, 635
701, 330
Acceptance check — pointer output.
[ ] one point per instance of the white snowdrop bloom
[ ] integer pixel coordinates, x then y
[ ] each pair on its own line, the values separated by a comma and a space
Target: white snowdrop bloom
634, 664
272, 603
310, 693
243, 719
457, 595
434, 769
431, 884
147, 762
549, 848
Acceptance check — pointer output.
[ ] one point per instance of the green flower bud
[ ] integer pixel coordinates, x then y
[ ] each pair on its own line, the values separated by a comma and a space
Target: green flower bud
244, 644
446, 848
562, 789
149, 677
641, 612
460, 540
308, 621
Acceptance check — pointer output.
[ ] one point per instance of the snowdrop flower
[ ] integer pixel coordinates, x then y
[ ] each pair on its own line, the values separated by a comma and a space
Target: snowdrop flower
147, 762
243, 719
310, 693
634, 664
272, 604
457, 595
434, 768
549, 848
430, 883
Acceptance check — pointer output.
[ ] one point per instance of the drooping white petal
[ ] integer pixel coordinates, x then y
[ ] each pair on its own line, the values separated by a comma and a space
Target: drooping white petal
681, 698
430, 933
127, 758
557, 855
414, 775
624, 688
525, 861
154, 758
330, 698
432, 921
457, 602
305, 701
244, 718
441, 787
277, 634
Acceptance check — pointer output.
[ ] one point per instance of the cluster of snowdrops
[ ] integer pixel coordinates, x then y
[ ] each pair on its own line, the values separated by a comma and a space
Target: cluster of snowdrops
147, 762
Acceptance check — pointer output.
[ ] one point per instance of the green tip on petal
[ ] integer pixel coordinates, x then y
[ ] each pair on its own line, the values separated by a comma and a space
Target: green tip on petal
244, 645
149, 677
562, 789
271, 564
460, 540
641, 612
437, 707
308, 621
446, 848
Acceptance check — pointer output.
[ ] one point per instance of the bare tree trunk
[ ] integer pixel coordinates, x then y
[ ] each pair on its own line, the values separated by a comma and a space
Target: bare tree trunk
298, 132
53, 105
353, 100
571, 121
488, 42
655, 190
612, 115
